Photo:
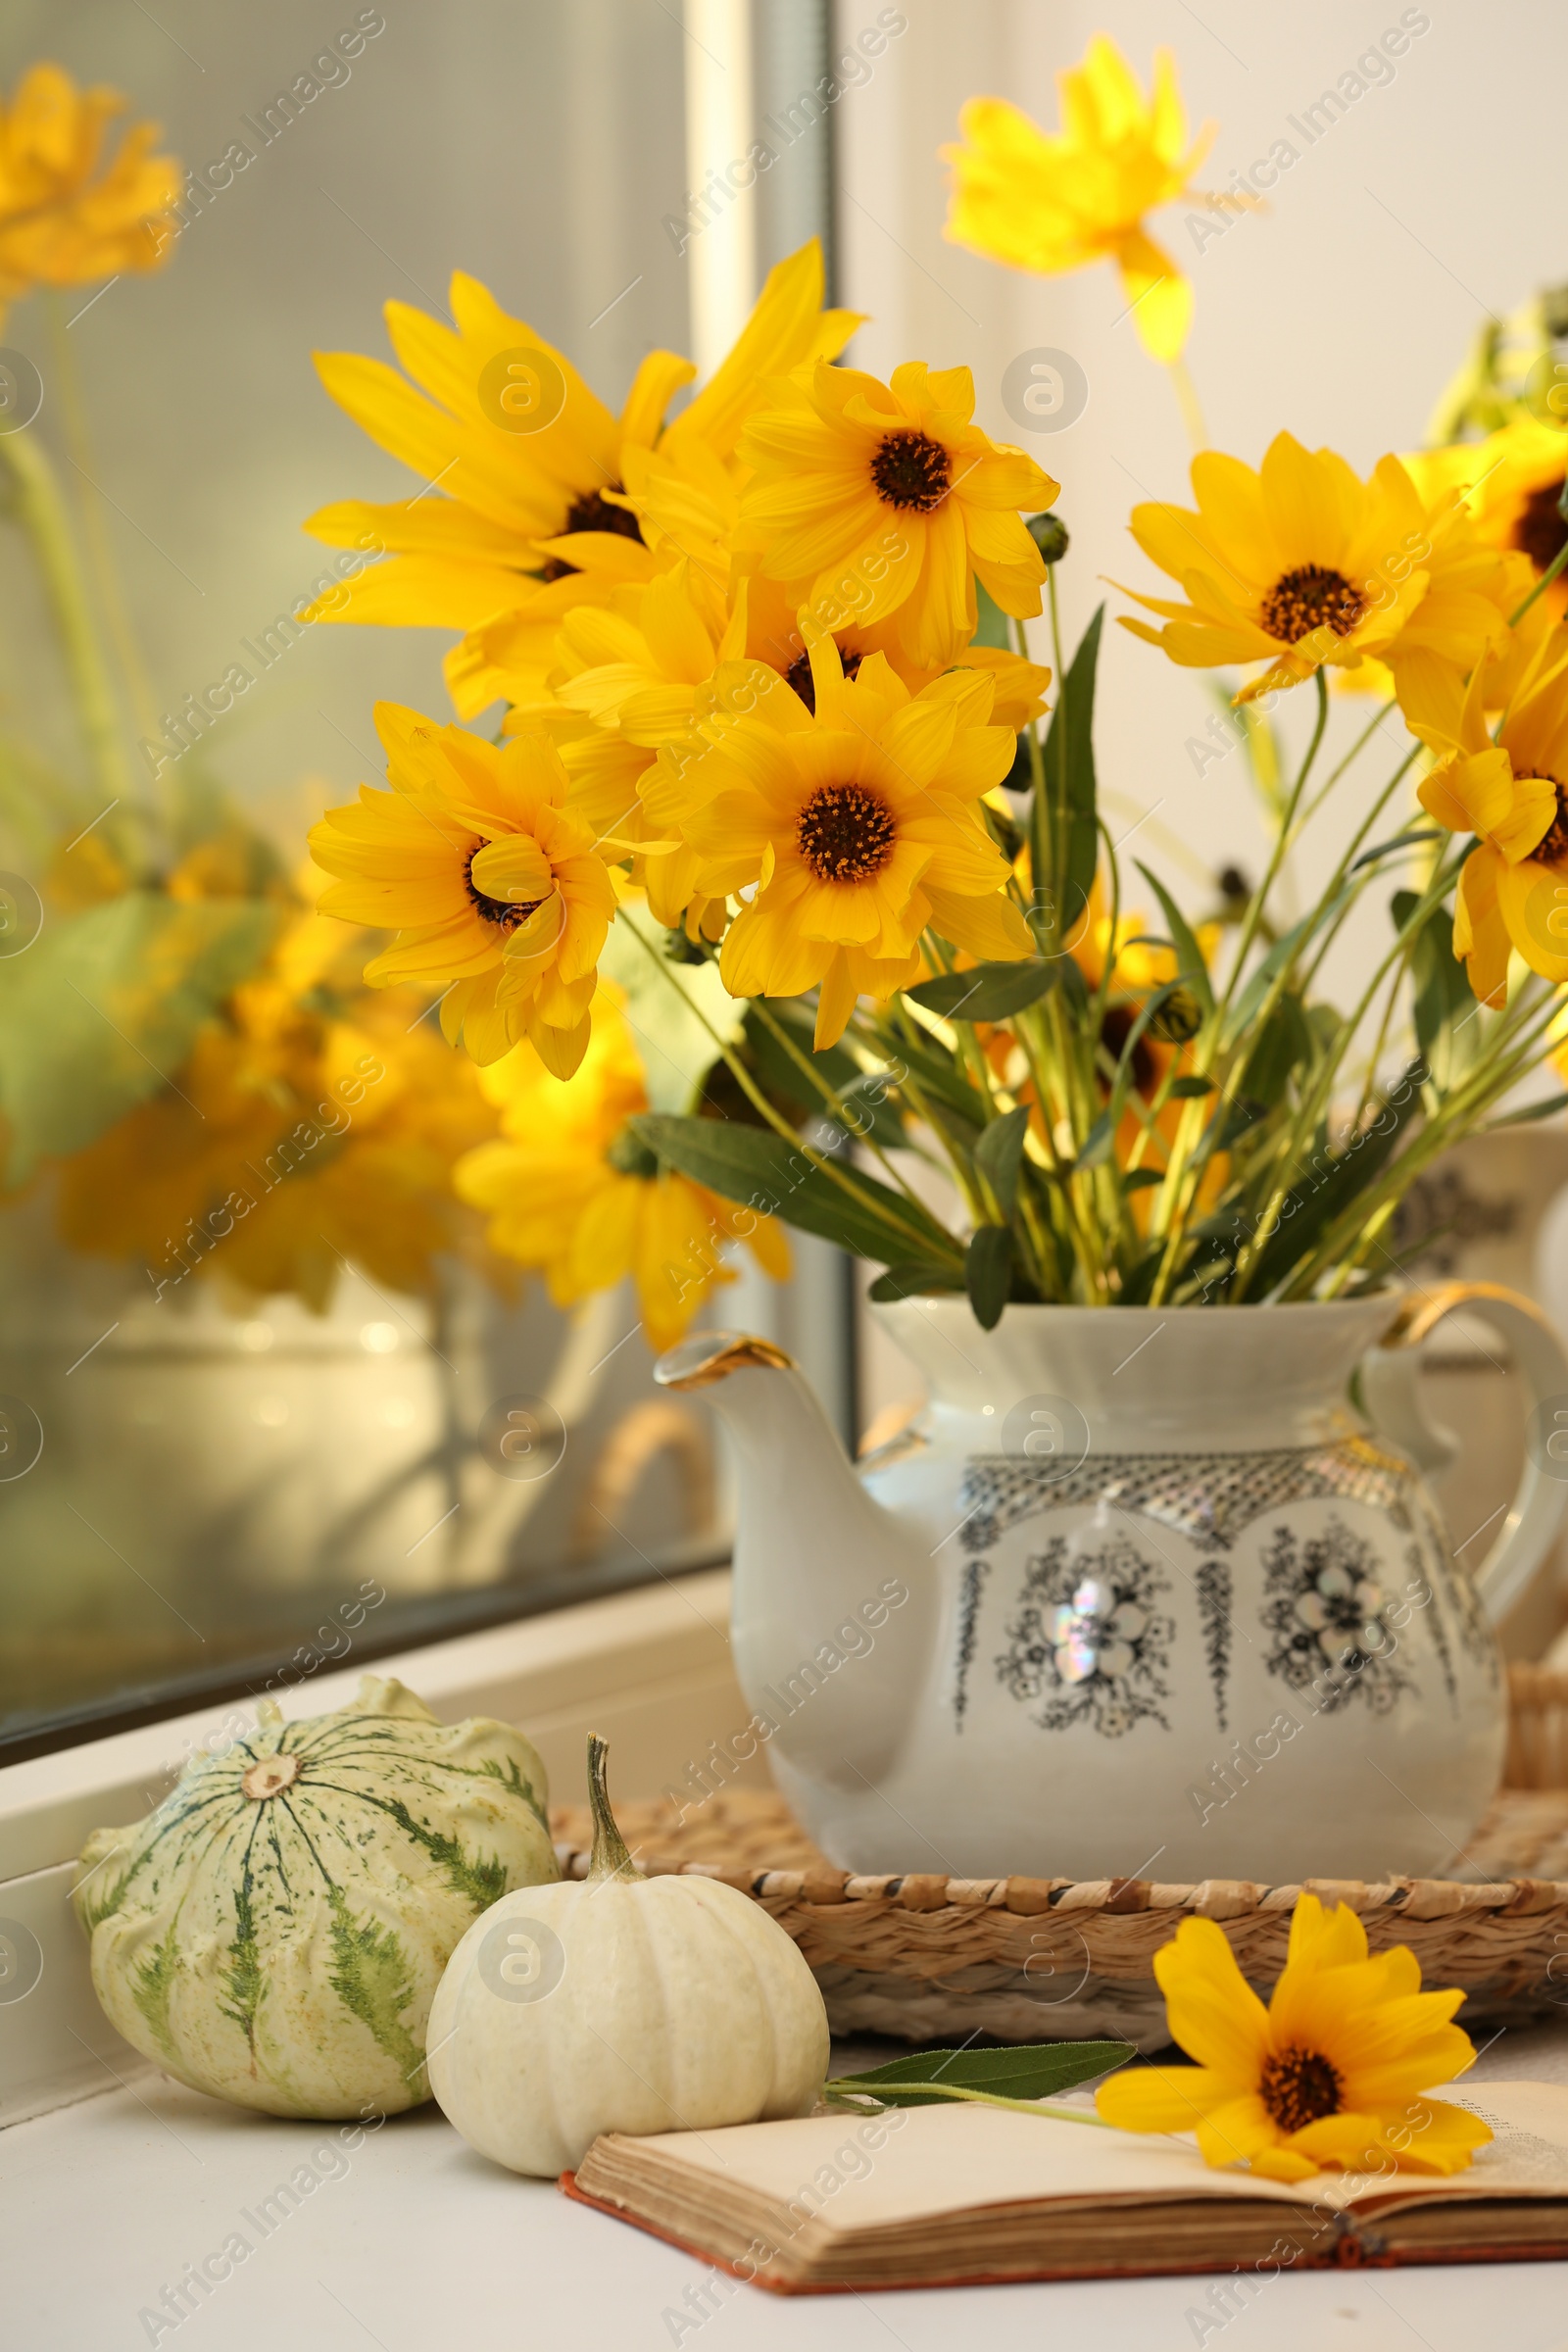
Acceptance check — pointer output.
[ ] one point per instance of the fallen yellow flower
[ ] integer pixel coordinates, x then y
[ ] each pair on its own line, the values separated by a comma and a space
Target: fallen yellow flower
1331, 2076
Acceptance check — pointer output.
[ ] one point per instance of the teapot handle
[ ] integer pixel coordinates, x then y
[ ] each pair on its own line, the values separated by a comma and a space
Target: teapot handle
1389, 1387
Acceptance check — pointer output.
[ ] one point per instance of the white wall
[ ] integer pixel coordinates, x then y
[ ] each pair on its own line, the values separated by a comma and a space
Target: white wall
1339, 313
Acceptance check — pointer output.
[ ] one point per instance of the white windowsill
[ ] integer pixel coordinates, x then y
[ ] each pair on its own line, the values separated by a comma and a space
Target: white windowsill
409, 2239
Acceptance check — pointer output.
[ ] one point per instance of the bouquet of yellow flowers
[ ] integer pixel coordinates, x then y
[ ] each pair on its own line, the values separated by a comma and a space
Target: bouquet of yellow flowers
772, 729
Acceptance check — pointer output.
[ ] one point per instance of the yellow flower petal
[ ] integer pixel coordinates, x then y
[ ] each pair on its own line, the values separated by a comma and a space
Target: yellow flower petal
1213, 2011
1237, 2132
1160, 2098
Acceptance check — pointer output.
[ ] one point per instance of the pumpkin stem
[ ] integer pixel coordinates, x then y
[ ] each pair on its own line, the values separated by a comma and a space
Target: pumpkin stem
609, 1858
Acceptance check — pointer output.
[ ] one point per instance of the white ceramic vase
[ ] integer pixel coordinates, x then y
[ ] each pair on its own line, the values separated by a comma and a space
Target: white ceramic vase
1140, 1593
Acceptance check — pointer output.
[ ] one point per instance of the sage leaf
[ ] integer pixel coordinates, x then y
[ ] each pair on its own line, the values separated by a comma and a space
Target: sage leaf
1013, 2076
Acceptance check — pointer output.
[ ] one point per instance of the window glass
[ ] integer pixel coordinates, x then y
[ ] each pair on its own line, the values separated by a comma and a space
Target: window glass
267, 1402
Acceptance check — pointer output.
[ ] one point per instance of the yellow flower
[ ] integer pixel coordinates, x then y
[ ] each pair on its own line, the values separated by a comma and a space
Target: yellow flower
1302, 563
1330, 2076
1510, 483
1513, 793
573, 1194
1048, 204
497, 890
850, 831
59, 224
874, 500
300, 1138
667, 666
520, 509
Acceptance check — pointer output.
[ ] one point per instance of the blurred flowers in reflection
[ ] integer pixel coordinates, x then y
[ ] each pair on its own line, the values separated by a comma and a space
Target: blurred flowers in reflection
315, 1124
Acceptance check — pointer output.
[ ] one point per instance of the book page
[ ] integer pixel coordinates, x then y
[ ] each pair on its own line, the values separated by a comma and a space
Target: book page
852, 2172
847, 2172
1527, 2156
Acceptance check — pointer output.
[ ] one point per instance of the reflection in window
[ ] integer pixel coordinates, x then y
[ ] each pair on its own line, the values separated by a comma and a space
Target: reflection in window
268, 1399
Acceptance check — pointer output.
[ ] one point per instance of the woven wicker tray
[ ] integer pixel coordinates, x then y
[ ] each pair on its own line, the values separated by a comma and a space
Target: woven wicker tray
926, 1958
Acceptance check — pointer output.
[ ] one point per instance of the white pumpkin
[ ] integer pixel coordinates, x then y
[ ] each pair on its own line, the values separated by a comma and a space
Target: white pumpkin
274, 1931
622, 2004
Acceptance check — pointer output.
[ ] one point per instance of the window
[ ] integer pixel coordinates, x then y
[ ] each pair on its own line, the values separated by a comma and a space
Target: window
237, 1451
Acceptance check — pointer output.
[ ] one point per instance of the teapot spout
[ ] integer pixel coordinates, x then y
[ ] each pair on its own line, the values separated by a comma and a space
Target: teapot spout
834, 1604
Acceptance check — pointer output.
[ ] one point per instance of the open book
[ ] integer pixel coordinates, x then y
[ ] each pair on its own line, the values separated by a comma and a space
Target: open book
927, 2196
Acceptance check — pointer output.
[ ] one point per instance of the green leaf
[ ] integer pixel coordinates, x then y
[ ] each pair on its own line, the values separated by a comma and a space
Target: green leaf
1096, 1145
998, 1154
1385, 849
1190, 1088
1141, 1180
988, 1273
991, 992
912, 1276
1069, 763
1444, 1010
864, 1094
993, 628
1074, 991
1334, 1179
934, 1068
1035, 2070
103, 1008
1188, 955
1532, 1110
1231, 1121
1284, 1044
1250, 999
753, 1165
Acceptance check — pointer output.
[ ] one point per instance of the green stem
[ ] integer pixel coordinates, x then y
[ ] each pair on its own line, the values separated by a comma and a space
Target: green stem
921, 1242
74, 410
1255, 904
1352, 755
830, 1094
1183, 1181
1541, 586
609, 1858
1510, 1056
850, 2089
1316, 1102
41, 512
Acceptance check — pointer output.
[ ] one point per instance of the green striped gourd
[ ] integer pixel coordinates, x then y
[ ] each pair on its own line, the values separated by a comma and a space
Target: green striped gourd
274, 1931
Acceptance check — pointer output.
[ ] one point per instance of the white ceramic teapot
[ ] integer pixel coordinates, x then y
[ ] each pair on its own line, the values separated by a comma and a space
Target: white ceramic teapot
1140, 1593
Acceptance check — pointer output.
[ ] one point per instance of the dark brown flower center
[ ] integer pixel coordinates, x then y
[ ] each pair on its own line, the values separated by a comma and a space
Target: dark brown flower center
1298, 2087
1541, 530
496, 911
846, 833
911, 469
799, 675
1114, 1031
1311, 598
593, 512
1552, 847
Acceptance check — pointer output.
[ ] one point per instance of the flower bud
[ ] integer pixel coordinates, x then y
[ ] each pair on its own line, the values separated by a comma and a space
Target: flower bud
1050, 534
